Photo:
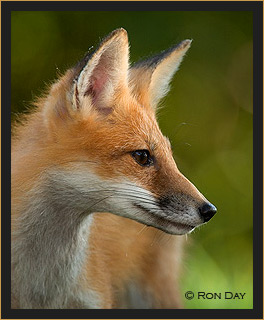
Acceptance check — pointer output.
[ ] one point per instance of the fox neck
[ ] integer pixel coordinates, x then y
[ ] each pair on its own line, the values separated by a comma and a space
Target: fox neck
48, 251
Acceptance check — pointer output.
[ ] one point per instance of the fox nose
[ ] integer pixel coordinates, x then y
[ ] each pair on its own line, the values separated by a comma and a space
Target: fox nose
207, 211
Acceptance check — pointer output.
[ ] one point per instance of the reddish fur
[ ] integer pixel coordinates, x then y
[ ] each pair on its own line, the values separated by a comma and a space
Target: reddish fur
56, 134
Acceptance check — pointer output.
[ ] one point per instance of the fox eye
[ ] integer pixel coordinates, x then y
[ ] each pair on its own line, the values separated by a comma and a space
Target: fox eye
142, 157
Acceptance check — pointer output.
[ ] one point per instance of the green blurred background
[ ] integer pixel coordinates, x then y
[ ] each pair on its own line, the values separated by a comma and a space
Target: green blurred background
208, 117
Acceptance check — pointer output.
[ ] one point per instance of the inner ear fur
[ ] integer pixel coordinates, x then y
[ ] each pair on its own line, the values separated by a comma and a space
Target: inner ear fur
104, 73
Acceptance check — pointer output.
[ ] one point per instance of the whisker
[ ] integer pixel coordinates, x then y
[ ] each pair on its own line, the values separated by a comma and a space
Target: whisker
160, 237
126, 196
120, 192
147, 201
166, 238
98, 202
141, 230
76, 161
154, 238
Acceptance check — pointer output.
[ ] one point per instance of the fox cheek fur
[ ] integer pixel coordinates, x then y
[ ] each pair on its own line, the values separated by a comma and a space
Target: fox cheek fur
93, 145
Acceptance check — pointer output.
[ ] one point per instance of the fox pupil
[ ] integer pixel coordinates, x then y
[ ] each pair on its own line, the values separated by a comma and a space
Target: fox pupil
142, 157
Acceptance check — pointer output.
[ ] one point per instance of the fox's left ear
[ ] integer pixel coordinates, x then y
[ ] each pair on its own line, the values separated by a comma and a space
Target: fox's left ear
150, 78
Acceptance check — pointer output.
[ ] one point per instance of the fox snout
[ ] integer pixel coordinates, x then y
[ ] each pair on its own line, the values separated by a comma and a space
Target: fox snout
181, 213
179, 206
176, 205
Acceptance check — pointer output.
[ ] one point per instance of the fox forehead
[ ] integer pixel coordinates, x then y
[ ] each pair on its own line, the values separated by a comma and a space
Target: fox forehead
129, 127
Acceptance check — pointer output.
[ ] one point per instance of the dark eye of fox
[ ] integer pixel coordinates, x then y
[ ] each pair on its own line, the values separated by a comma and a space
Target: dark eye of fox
142, 157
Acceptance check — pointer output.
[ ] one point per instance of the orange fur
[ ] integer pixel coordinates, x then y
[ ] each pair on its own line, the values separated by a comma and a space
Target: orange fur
94, 127
146, 254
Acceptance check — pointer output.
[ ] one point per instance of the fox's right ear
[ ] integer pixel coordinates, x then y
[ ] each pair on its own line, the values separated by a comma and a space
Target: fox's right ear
104, 73
91, 85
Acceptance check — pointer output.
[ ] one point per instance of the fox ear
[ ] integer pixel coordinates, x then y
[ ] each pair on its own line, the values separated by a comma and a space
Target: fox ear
105, 71
150, 78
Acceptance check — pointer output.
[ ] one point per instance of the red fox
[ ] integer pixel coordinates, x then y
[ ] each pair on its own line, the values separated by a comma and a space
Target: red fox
98, 203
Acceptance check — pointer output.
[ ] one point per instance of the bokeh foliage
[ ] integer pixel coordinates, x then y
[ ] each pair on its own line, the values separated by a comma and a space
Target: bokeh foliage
208, 117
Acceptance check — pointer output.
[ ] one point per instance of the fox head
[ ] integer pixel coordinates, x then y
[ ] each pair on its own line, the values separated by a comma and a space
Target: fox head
106, 148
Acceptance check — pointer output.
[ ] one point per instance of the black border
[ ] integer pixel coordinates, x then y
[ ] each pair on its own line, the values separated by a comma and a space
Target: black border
257, 8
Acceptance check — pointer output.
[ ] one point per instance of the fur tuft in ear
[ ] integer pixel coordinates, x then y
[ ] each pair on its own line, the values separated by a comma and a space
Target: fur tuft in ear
104, 73
150, 78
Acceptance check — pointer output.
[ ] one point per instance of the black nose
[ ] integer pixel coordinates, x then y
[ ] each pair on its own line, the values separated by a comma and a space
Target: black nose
207, 211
